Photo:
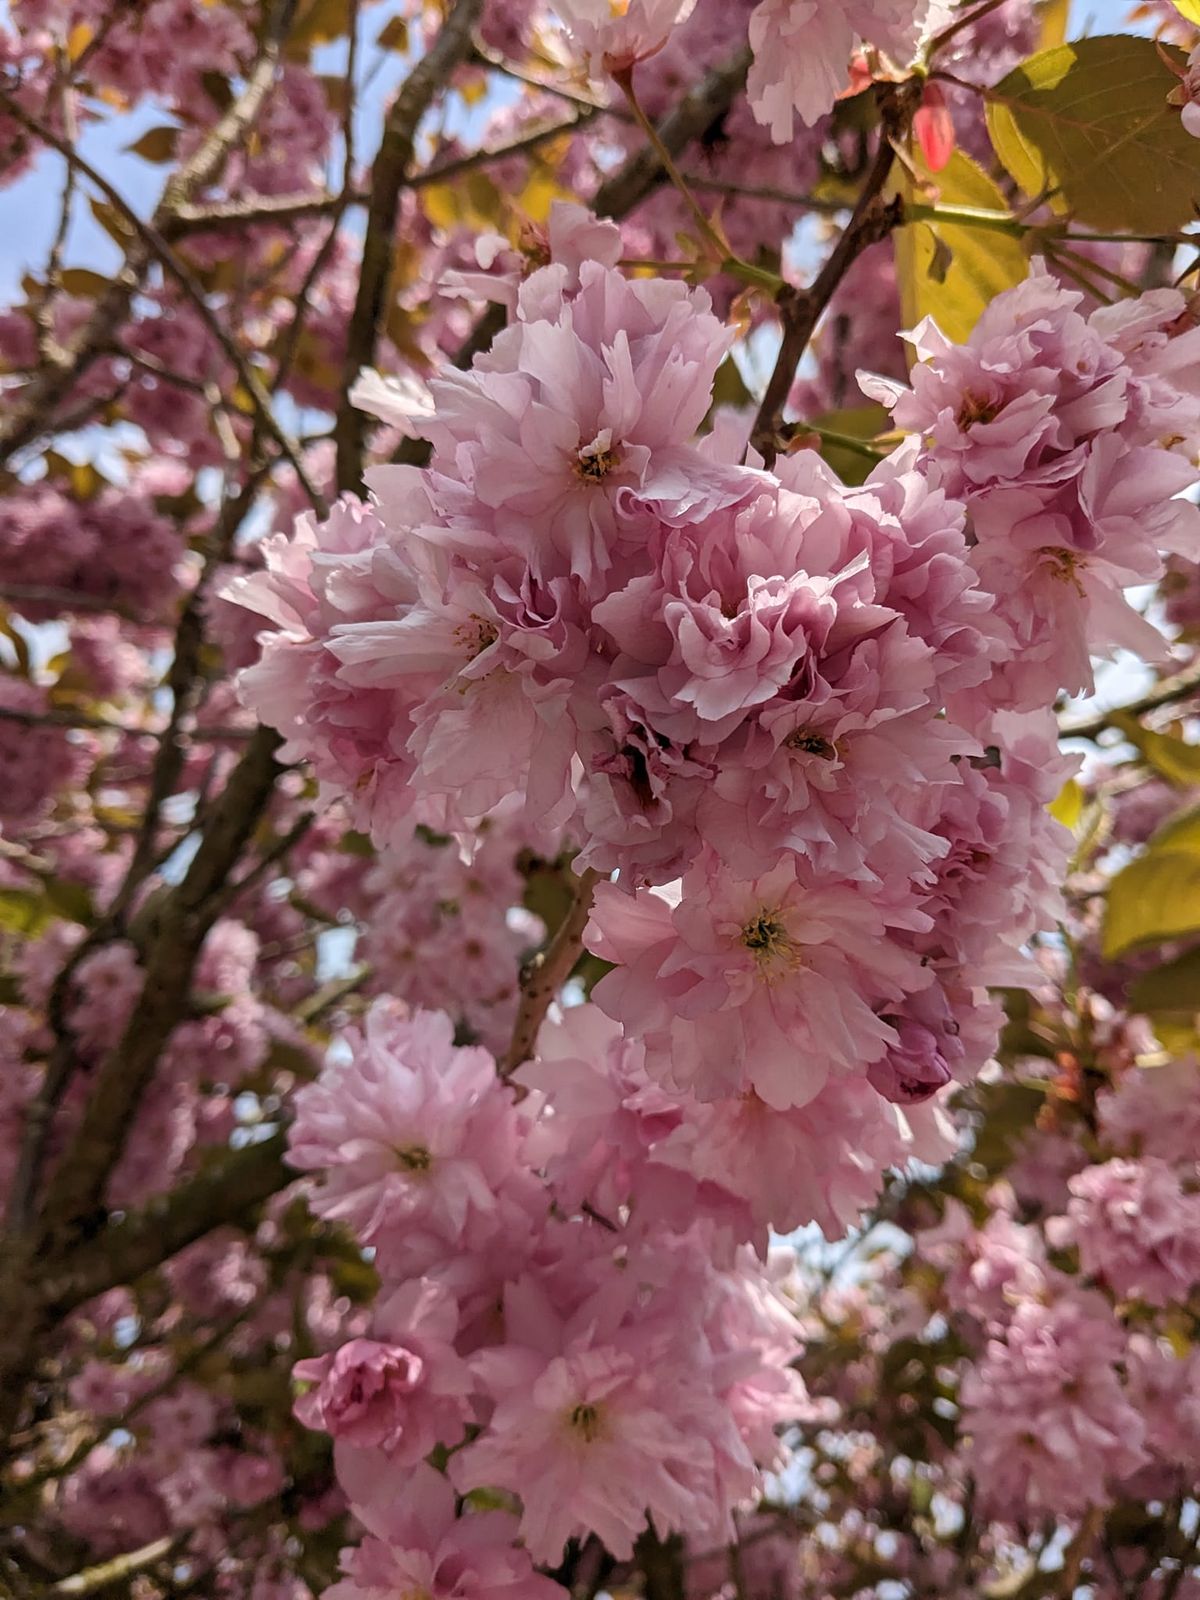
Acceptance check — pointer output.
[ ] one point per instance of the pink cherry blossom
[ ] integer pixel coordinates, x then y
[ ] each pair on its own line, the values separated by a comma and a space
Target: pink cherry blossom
770, 984
414, 1136
418, 1544
615, 37
405, 1390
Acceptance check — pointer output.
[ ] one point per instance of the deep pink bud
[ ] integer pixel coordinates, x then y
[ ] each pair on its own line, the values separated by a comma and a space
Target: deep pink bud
913, 1070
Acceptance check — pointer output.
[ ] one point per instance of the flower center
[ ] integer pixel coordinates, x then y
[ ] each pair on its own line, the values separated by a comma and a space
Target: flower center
811, 743
1065, 565
595, 462
415, 1158
476, 634
768, 940
974, 408
586, 1421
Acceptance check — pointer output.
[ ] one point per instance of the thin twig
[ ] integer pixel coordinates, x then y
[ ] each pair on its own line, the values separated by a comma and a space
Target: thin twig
961, 22
156, 245
801, 309
620, 193
547, 973
33, 406
1181, 686
445, 170
391, 170
110, 1572
498, 63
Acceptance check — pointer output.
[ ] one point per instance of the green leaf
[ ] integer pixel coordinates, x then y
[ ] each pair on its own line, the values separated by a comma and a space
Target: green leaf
864, 422
1153, 899
729, 387
952, 271
1173, 759
1175, 986
1088, 124
70, 901
31, 911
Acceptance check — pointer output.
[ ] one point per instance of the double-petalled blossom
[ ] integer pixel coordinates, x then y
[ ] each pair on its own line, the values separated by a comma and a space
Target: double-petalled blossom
616, 34
802, 50
1070, 436
1049, 1422
405, 1389
597, 1368
418, 1544
772, 984
414, 1137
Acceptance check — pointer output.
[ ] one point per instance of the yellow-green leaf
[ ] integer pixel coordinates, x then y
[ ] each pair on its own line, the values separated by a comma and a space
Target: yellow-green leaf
1067, 808
952, 271
80, 36
1054, 16
1088, 124
1173, 759
394, 35
1173, 987
1153, 899
24, 912
83, 282
853, 422
156, 144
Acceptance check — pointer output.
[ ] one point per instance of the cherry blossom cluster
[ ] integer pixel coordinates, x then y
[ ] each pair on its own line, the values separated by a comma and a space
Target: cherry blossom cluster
796, 720
1067, 1294
1069, 436
802, 48
798, 731
599, 1367
803, 731
444, 927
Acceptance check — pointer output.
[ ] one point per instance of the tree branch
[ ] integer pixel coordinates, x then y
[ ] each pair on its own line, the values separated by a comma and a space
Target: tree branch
1181, 686
547, 973
390, 173
223, 1193
873, 219
187, 914
92, 1579
73, 1200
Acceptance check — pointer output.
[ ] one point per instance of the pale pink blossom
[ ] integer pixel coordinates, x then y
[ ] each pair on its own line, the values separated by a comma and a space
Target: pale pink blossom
417, 1544
772, 984
414, 1138
404, 1389
616, 34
